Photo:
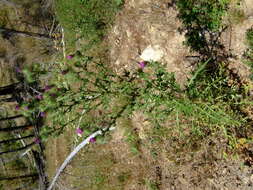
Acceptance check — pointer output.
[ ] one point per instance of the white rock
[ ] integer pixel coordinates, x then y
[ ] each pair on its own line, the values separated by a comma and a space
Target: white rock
152, 53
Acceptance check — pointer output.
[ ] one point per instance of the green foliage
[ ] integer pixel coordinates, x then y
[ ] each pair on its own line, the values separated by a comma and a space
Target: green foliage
214, 87
12, 166
151, 185
205, 13
89, 95
198, 107
99, 181
3, 17
124, 176
88, 86
202, 21
249, 52
249, 38
11, 145
86, 19
133, 140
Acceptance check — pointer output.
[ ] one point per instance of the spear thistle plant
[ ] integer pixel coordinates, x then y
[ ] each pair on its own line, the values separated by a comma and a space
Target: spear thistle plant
92, 96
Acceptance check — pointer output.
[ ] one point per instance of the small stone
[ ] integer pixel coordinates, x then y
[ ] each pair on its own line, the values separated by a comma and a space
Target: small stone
152, 53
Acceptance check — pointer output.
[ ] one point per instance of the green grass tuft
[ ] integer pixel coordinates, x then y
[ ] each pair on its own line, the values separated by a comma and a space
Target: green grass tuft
249, 38
86, 19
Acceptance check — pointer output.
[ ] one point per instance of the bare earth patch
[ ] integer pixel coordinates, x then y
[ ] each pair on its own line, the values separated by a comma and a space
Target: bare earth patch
234, 38
144, 24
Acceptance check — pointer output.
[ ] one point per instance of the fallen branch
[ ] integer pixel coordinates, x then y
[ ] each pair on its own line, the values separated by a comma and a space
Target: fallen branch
74, 152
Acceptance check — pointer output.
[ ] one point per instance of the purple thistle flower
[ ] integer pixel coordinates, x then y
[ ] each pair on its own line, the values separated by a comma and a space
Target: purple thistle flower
17, 107
142, 64
42, 114
18, 70
52, 95
60, 90
92, 140
26, 108
64, 72
48, 87
70, 56
79, 131
39, 97
37, 141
